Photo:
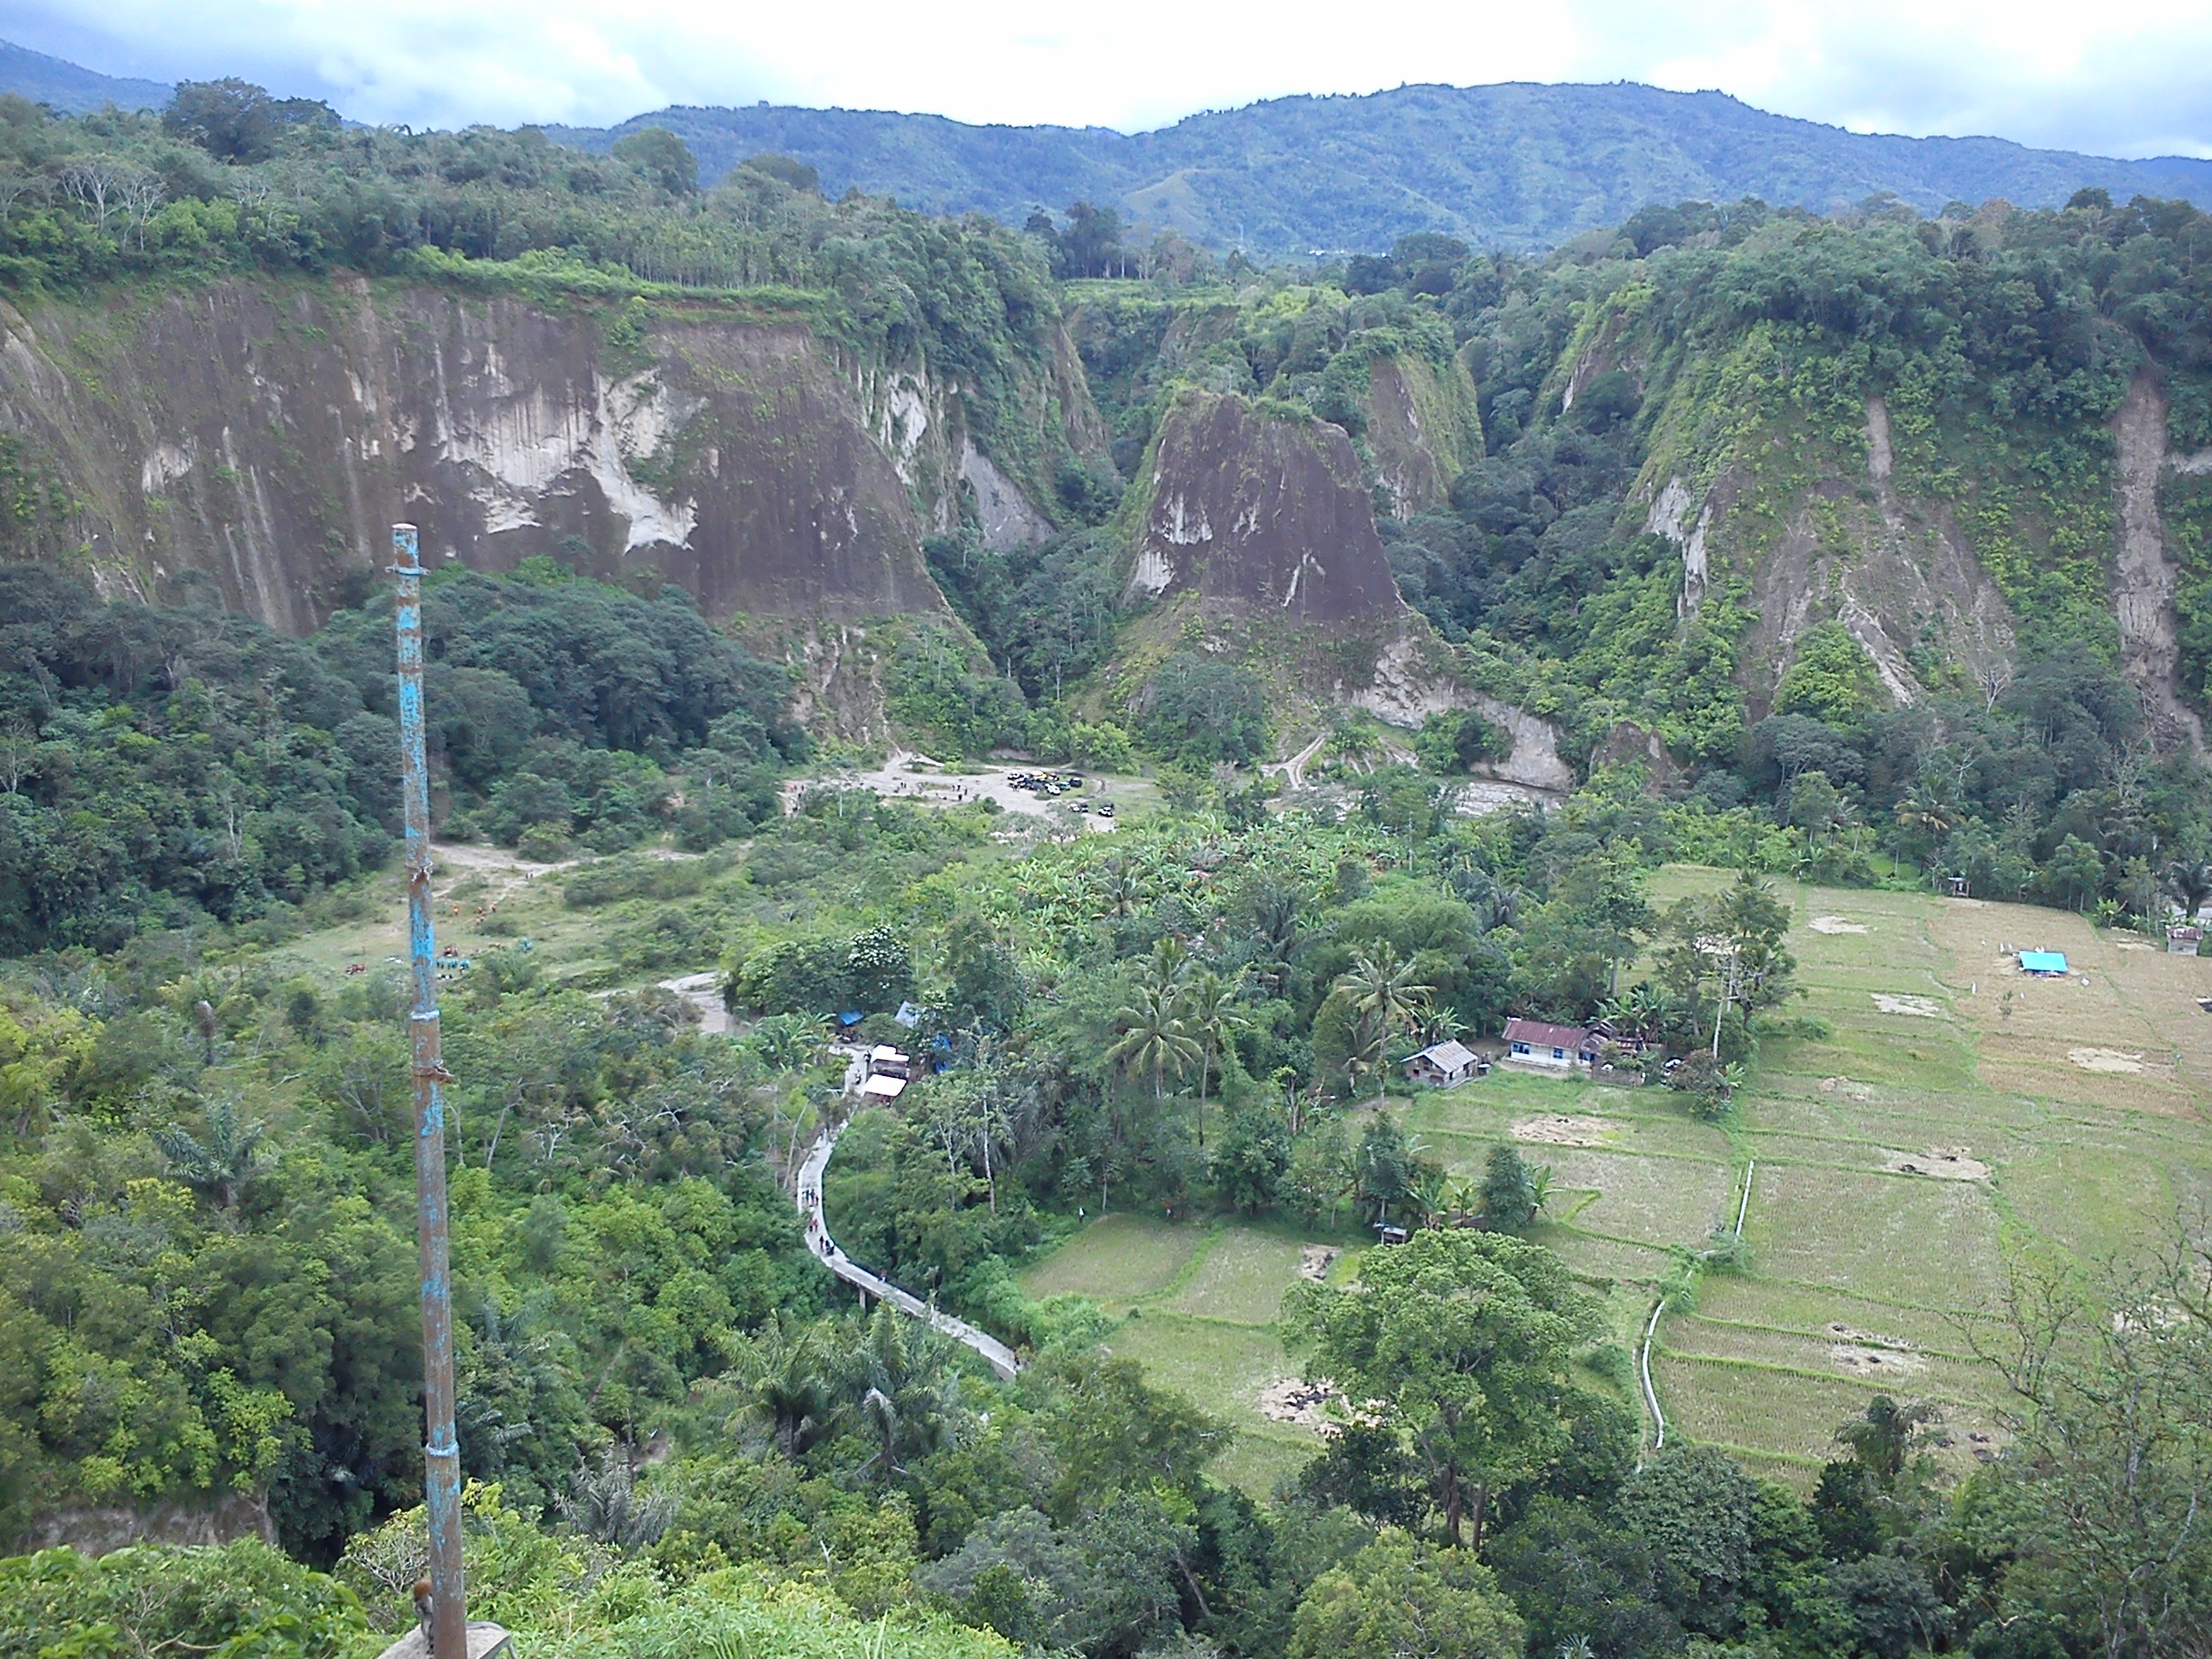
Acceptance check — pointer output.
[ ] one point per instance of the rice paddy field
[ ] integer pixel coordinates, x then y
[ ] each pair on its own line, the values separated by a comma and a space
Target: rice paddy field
1956, 1113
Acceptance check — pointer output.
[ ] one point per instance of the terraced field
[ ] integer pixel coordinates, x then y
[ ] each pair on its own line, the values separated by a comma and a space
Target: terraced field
1956, 1113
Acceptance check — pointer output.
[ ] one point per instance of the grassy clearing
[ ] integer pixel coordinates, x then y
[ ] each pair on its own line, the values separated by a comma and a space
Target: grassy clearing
1241, 1277
1200, 1304
1118, 1260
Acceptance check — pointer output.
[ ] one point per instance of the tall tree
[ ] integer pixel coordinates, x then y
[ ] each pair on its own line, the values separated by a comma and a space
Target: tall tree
1385, 996
1458, 1344
2110, 1482
1212, 1018
1398, 1600
219, 1163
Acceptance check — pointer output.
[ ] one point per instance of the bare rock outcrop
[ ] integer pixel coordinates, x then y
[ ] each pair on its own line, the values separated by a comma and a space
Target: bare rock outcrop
1251, 509
264, 434
2146, 577
96, 1529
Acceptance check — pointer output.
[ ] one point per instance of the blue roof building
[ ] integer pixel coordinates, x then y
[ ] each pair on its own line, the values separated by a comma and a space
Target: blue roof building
2052, 963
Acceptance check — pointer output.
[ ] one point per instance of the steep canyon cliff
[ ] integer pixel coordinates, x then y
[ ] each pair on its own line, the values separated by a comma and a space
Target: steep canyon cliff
262, 435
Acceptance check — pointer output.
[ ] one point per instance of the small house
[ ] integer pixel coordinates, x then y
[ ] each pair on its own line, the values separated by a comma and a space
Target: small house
883, 1090
1546, 1047
2043, 965
884, 1061
2183, 939
1441, 1065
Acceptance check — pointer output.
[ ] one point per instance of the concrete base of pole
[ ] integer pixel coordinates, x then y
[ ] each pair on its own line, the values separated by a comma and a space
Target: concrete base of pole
486, 1641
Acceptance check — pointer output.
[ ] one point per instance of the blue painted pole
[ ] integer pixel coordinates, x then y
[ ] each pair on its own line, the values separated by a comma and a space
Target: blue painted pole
441, 1454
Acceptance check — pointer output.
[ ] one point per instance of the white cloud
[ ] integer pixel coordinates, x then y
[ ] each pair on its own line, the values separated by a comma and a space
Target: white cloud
2037, 70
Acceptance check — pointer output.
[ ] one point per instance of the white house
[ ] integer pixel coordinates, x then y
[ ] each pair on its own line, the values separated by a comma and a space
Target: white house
1545, 1047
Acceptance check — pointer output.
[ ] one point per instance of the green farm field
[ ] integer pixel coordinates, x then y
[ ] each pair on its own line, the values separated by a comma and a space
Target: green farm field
1956, 1113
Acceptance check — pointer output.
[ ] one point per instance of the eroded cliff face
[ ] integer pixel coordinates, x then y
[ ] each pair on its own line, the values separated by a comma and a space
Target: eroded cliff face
1423, 430
1256, 511
1936, 581
265, 436
2146, 575
1840, 543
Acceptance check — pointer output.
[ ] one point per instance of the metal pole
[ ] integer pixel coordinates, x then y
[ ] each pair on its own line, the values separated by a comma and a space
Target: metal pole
441, 1454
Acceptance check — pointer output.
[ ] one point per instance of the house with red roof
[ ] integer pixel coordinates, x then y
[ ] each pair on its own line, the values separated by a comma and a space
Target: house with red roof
1547, 1047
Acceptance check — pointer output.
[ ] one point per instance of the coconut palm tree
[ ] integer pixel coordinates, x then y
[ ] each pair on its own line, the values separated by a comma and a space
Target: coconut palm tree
219, 1166
1384, 996
1153, 1034
1211, 1016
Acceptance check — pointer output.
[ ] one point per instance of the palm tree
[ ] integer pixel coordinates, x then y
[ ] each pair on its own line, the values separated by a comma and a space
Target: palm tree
2190, 881
1122, 888
1153, 1034
1926, 810
219, 1167
784, 1375
606, 1506
1385, 997
1212, 1018
909, 1388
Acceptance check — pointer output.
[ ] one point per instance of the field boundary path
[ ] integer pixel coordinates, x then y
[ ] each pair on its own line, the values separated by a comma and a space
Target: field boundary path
995, 1353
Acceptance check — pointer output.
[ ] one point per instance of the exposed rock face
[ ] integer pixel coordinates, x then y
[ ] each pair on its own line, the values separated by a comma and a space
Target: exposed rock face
1898, 574
1002, 512
2145, 575
1259, 511
265, 435
97, 1529
1423, 430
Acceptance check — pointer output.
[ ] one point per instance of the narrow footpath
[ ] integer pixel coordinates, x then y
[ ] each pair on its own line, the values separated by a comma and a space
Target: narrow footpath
995, 1353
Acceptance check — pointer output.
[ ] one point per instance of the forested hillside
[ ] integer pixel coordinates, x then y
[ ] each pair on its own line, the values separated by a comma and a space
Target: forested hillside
1514, 167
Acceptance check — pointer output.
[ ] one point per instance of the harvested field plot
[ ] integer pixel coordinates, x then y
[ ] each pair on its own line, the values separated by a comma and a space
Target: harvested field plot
1889, 1236
1658, 1200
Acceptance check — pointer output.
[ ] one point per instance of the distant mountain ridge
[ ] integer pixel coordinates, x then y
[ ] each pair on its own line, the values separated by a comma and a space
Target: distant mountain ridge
1514, 165
71, 88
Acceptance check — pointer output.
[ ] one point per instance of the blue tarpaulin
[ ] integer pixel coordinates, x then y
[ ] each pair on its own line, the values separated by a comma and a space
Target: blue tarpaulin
2043, 962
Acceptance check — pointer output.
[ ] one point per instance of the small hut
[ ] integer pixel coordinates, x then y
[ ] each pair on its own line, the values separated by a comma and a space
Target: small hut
1441, 1065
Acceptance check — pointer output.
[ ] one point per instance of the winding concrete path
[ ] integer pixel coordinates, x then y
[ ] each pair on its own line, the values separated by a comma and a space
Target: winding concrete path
995, 1353
1294, 769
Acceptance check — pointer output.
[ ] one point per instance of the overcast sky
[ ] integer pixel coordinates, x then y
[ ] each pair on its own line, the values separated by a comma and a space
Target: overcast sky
2130, 77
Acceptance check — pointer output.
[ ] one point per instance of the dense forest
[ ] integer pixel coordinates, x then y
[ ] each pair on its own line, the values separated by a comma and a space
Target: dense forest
679, 1437
1514, 165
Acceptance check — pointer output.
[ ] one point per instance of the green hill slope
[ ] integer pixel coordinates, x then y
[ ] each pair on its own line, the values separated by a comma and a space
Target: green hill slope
70, 89
1514, 165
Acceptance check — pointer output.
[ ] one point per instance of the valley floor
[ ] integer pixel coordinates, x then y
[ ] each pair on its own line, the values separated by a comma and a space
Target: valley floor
1958, 1113
2068, 1114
